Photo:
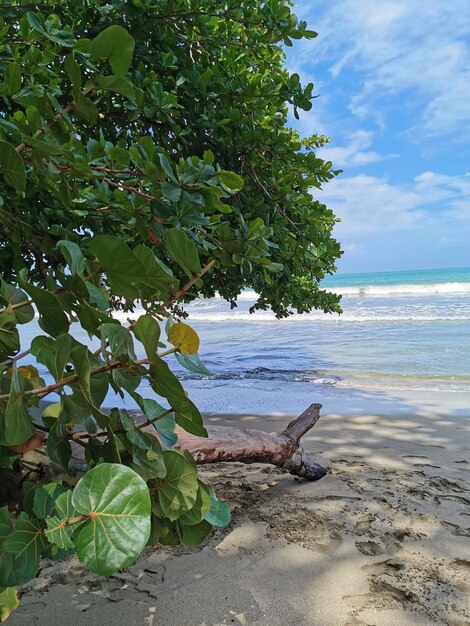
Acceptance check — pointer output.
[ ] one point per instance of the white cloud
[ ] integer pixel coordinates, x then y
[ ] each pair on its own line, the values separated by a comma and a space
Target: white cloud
355, 153
410, 49
368, 204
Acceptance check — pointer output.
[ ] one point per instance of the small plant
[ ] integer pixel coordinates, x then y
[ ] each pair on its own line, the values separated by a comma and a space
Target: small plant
142, 165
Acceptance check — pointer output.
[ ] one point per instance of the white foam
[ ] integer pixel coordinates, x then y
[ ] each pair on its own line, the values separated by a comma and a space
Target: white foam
265, 316
404, 289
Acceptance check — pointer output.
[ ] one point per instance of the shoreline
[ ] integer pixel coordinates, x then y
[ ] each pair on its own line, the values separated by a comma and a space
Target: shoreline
379, 541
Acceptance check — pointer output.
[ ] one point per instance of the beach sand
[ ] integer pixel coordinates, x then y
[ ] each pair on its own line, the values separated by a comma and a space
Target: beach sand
382, 540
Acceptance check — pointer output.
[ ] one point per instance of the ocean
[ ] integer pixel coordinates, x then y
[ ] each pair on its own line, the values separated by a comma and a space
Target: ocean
401, 345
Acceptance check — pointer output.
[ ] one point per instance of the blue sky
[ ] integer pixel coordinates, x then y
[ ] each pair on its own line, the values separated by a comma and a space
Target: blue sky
393, 79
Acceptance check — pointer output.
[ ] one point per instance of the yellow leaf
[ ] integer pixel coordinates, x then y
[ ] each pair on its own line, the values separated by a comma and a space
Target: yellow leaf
8, 602
184, 338
28, 371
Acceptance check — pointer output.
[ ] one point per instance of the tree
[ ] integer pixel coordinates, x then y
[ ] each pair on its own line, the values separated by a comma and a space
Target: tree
145, 159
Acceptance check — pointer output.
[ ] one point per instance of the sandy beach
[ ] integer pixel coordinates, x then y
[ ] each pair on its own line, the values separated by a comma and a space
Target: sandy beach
382, 540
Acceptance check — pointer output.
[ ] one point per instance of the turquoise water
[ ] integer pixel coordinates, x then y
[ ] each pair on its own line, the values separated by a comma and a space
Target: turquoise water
410, 277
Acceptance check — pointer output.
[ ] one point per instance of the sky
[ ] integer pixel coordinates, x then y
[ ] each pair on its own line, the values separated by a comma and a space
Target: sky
393, 85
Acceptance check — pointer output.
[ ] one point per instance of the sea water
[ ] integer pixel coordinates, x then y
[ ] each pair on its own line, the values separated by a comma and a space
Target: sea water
401, 336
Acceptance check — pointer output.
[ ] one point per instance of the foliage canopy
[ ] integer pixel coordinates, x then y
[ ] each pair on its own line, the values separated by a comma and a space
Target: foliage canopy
143, 147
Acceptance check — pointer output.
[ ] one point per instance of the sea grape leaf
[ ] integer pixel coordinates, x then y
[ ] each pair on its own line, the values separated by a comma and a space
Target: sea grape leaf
116, 84
50, 414
183, 337
124, 270
52, 318
183, 251
16, 425
58, 445
14, 570
165, 383
120, 341
58, 531
116, 502
201, 507
193, 363
177, 491
25, 543
45, 496
159, 276
165, 426
73, 71
12, 167
233, 182
219, 512
116, 45
73, 255
9, 601
9, 337
13, 296
53, 354
147, 331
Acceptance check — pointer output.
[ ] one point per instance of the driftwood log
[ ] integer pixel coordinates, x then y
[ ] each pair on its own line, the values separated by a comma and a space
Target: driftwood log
225, 444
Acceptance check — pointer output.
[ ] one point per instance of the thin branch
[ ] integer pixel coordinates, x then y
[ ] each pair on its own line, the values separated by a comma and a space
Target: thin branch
187, 286
55, 119
121, 186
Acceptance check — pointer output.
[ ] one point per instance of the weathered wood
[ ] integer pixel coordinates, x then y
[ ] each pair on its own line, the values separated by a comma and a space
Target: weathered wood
225, 444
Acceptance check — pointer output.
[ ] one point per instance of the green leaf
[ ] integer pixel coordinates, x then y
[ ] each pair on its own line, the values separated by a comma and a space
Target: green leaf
14, 570
7, 457
12, 296
124, 270
12, 78
193, 363
58, 531
116, 84
165, 383
147, 331
120, 341
219, 513
233, 182
52, 318
73, 71
165, 426
91, 319
45, 496
16, 425
195, 534
167, 168
125, 379
183, 251
12, 167
85, 109
177, 491
171, 192
53, 354
201, 507
116, 503
58, 445
116, 45
73, 255
26, 542
158, 275
9, 601
51, 414
9, 337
